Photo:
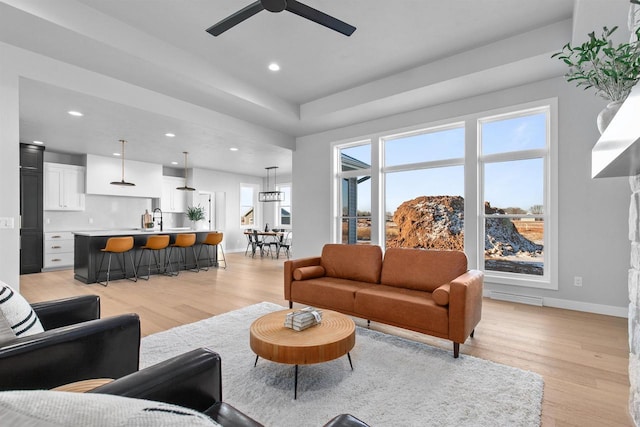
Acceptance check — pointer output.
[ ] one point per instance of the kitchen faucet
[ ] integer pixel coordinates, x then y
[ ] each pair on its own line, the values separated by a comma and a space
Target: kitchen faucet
153, 218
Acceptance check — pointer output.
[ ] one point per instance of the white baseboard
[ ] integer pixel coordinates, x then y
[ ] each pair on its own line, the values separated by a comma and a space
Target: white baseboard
522, 299
609, 310
587, 307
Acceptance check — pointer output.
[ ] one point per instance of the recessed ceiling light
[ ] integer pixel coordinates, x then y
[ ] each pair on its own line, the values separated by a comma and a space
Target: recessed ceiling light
174, 163
75, 113
170, 135
116, 154
38, 142
274, 67
233, 149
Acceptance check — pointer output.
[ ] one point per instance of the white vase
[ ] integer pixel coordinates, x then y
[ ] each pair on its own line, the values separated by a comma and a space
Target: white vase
607, 114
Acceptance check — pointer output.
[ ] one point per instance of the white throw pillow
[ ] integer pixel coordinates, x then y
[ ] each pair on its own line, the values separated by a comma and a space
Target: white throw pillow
18, 313
40, 408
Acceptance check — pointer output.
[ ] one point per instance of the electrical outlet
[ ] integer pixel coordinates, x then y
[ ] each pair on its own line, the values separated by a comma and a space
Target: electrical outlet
90, 220
6, 222
577, 281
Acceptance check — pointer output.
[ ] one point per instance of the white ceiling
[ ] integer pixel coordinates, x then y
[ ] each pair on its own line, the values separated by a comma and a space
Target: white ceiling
405, 54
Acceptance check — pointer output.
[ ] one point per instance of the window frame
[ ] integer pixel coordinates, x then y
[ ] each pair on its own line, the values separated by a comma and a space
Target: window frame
548, 154
339, 175
279, 205
255, 188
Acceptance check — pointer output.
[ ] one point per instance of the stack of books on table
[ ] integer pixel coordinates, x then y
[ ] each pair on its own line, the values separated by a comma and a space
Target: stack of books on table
302, 319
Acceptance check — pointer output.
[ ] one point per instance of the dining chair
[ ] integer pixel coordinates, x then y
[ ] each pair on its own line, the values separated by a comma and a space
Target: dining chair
285, 242
257, 243
249, 234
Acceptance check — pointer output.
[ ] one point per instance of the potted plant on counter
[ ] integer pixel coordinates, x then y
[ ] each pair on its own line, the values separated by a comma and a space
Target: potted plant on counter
195, 214
611, 71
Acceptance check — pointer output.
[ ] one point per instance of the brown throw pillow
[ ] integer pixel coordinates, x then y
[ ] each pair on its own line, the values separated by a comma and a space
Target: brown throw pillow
310, 272
441, 295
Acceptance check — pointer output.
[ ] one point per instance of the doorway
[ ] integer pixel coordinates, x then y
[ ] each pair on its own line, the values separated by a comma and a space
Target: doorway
208, 203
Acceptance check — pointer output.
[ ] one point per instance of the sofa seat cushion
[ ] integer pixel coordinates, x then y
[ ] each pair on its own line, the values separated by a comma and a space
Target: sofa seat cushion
45, 408
403, 307
362, 263
421, 269
327, 292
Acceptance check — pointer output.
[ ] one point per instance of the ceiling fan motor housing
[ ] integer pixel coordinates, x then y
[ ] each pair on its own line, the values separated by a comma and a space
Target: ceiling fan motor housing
274, 5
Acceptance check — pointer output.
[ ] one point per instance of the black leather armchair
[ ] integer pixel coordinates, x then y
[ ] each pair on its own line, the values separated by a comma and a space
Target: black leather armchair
75, 345
192, 380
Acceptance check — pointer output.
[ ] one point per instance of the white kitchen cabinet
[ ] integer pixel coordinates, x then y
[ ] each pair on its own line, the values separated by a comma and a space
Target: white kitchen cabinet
173, 200
58, 250
63, 187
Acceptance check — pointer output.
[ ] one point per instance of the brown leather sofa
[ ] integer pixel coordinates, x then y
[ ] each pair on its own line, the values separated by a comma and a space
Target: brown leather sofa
427, 291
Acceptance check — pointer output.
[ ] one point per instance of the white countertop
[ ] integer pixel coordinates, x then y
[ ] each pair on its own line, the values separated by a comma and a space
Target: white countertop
136, 232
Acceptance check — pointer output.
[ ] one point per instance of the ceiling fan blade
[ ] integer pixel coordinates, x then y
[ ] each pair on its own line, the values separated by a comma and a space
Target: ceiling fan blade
321, 18
235, 19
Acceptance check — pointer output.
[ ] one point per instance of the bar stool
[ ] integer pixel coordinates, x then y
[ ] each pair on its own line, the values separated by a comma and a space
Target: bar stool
183, 241
117, 245
213, 239
154, 245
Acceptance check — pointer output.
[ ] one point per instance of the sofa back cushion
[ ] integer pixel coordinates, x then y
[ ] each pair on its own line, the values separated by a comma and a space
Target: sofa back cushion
420, 269
355, 262
17, 313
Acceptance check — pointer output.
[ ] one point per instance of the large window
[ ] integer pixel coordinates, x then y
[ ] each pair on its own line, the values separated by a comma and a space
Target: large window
424, 185
513, 162
484, 183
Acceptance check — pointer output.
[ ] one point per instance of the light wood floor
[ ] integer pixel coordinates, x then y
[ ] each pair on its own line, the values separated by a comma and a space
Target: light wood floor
582, 357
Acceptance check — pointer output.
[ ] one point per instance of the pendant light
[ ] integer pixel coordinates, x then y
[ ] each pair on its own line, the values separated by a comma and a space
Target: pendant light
271, 196
122, 182
185, 187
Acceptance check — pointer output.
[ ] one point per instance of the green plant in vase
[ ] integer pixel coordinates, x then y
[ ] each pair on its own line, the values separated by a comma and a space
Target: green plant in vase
610, 71
195, 214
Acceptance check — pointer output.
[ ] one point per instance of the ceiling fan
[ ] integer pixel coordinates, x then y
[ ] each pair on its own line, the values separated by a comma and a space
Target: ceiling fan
293, 6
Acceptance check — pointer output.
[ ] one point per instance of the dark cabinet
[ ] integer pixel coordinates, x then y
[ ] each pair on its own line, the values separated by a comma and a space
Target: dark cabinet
31, 208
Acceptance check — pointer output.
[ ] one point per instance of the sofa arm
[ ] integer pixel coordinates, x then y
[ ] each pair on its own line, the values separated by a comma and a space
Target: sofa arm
192, 380
67, 311
228, 416
102, 348
290, 266
465, 304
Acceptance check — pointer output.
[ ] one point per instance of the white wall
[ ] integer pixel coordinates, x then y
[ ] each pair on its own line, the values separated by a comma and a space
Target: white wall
222, 182
592, 213
9, 173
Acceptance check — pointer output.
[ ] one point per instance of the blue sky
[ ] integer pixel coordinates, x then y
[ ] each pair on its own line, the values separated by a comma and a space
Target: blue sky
507, 184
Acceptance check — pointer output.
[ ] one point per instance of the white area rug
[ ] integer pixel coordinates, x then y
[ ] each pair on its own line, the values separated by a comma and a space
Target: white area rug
395, 382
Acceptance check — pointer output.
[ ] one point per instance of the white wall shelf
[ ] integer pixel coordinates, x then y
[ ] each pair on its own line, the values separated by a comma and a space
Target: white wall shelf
617, 152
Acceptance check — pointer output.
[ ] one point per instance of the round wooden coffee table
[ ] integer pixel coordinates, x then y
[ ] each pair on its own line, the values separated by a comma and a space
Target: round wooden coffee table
332, 338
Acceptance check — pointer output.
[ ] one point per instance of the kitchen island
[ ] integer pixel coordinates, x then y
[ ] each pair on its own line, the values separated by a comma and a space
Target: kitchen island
88, 254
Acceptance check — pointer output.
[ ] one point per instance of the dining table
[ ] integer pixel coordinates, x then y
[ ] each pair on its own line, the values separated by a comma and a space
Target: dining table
268, 237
